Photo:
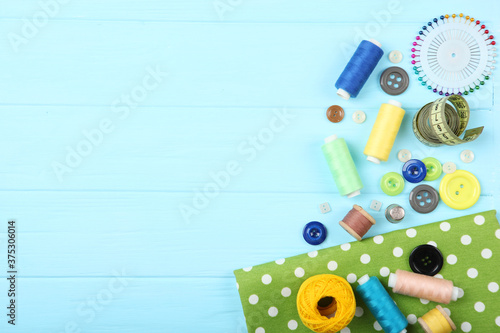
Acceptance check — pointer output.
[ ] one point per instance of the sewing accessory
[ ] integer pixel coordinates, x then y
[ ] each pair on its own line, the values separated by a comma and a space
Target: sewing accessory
314, 233
394, 80
384, 132
357, 222
375, 205
394, 213
381, 305
342, 166
414, 171
326, 303
335, 113
426, 259
359, 117
392, 183
424, 199
395, 56
460, 190
433, 167
437, 321
359, 68
404, 155
453, 55
439, 123
449, 167
324, 208
467, 156
423, 286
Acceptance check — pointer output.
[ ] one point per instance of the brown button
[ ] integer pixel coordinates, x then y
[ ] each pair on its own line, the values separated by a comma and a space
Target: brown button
335, 113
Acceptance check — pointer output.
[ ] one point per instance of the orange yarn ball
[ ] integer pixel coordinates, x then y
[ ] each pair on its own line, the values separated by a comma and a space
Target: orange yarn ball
316, 316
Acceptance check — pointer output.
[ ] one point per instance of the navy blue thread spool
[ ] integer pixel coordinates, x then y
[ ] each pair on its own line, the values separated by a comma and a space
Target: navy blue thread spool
359, 68
381, 305
414, 171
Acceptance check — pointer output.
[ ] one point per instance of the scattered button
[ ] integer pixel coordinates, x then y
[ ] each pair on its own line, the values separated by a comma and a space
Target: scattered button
404, 155
414, 171
376, 205
324, 207
359, 117
426, 259
392, 183
460, 190
424, 199
394, 213
433, 167
395, 56
449, 167
335, 113
394, 80
467, 156
314, 233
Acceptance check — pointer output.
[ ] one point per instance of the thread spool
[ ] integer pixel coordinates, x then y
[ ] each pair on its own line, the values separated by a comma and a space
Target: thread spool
359, 68
342, 166
357, 222
423, 286
326, 303
381, 305
437, 321
384, 132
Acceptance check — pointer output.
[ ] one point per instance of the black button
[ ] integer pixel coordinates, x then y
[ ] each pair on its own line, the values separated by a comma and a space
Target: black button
426, 259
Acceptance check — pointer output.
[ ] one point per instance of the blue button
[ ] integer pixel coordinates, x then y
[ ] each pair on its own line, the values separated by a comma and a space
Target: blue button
314, 233
414, 171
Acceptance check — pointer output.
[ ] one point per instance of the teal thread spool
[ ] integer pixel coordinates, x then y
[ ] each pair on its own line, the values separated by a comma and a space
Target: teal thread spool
342, 166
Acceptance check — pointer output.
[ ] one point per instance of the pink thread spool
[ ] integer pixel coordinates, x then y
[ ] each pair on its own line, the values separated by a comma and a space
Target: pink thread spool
357, 222
423, 286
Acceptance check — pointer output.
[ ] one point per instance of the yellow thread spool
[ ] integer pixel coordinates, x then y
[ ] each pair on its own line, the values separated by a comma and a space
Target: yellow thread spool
326, 303
384, 132
437, 321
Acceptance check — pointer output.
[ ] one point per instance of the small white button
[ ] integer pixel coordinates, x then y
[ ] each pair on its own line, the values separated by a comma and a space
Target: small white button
449, 167
395, 56
324, 207
467, 156
376, 205
359, 117
404, 155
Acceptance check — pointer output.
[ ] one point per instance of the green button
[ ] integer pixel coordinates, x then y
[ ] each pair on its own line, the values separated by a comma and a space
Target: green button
434, 168
392, 183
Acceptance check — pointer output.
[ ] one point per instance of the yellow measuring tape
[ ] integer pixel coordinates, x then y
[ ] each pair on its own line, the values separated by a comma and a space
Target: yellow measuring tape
439, 123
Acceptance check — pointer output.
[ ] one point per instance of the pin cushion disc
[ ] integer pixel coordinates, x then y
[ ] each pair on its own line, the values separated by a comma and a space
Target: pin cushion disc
460, 190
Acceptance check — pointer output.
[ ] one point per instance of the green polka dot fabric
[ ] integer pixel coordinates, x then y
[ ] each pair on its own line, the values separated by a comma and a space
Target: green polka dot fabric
471, 249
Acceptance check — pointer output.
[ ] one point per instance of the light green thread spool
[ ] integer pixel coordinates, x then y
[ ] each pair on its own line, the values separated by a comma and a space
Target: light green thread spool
342, 166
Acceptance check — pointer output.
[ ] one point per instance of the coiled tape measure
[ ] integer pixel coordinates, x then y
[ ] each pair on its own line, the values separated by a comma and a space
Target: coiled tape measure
438, 123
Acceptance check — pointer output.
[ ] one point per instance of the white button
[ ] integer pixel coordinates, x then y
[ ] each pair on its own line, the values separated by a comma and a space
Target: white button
376, 205
395, 56
449, 167
467, 156
359, 117
324, 207
404, 155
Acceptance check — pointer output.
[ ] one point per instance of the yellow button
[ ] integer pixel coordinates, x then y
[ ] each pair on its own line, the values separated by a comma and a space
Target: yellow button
459, 190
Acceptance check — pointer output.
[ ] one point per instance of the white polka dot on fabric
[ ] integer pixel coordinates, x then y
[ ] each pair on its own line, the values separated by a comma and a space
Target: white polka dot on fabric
451, 259
351, 278
253, 299
378, 239
299, 272
286, 292
359, 311
292, 324
438, 276
448, 312
345, 246
432, 243
385, 271
493, 287
424, 301
466, 327
237, 286
280, 261
332, 265
497, 233
460, 292
472, 273
377, 326
479, 306
445, 226
479, 219
412, 319
486, 253
247, 269
273, 311
260, 330
313, 254
345, 330
411, 233
365, 258
465, 240
397, 252
497, 321
266, 279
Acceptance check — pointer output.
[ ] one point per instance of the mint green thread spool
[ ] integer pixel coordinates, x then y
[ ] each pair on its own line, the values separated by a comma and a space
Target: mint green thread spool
342, 166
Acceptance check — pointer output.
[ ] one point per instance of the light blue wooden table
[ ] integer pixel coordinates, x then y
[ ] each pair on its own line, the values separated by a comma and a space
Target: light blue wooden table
115, 115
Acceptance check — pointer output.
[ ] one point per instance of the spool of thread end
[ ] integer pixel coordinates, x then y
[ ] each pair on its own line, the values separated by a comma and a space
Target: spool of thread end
357, 222
344, 94
437, 321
